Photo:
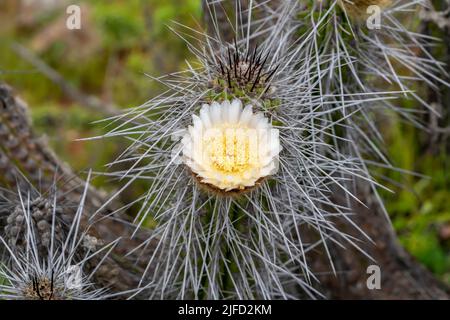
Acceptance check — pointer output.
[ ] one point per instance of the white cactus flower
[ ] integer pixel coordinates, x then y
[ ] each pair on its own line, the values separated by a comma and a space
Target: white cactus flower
230, 147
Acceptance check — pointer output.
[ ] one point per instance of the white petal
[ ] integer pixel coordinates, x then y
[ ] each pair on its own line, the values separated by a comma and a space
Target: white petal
234, 112
246, 115
215, 113
204, 115
197, 122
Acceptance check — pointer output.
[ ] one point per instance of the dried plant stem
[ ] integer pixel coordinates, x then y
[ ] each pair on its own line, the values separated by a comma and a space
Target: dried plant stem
87, 101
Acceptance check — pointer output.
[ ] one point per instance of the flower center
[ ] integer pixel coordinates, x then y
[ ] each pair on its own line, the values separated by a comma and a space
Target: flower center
229, 149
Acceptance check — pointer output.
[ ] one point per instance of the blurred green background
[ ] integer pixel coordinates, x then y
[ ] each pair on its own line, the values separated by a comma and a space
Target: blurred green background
121, 40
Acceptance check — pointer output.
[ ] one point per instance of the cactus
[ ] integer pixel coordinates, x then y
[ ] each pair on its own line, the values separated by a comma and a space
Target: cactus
231, 221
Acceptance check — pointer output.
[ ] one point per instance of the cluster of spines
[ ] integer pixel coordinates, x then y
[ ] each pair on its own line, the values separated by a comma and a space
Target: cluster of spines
247, 72
41, 214
43, 239
37, 284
